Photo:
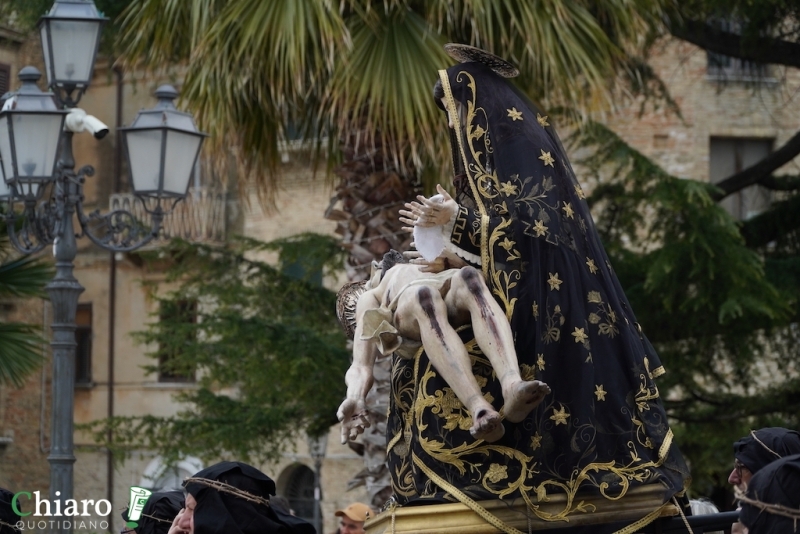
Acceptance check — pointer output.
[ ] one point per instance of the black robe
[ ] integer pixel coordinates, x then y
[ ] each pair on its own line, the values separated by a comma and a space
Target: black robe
524, 222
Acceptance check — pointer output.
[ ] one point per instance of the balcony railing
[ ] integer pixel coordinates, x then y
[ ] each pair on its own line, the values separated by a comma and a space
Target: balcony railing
199, 218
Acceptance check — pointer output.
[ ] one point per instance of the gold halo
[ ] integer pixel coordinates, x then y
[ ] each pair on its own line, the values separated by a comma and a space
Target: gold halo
465, 53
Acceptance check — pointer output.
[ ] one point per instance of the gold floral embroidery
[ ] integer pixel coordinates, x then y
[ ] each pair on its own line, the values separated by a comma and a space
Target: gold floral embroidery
560, 416
539, 228
527, 372
514, 114
507, 244
496, 473
540, 361
555, 283
579, 191
579, 335
599, 392
547, 158
552, 331
536, 441
535, 310
591, 265
477, 132
568, 211
594, 297
508, 189
542, 120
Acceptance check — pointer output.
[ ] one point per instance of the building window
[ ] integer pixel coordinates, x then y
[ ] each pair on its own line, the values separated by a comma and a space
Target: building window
721, 67
300, 492
83, 352
731, 155
5, 79
181, 315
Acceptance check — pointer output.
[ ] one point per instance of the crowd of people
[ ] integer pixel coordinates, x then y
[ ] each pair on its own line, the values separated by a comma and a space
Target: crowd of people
237, 498
225, 498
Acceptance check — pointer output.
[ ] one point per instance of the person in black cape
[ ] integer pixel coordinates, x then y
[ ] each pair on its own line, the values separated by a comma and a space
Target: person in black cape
772, 502
8, 517
233, 498
757, 450
158, 513
519, 215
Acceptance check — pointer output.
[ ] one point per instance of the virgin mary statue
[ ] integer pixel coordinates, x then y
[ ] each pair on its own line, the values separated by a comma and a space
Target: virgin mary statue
523, 221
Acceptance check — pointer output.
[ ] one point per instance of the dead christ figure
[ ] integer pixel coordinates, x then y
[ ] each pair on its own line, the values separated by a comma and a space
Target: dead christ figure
401, 306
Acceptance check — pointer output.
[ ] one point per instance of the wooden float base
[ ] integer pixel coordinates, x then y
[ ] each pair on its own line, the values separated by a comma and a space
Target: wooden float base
457, 518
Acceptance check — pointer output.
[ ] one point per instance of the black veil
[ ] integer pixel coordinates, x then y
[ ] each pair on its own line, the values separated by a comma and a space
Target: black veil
603, 430
240, 505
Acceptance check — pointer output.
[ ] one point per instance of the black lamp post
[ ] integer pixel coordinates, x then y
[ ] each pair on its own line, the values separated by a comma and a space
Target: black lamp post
70, 35
42, 198
317, 446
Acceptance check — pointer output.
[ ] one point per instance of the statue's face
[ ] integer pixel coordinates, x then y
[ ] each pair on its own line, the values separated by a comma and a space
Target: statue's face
462, 116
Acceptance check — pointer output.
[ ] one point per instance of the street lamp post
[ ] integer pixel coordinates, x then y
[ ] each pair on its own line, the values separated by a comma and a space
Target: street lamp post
43, 198
316, 448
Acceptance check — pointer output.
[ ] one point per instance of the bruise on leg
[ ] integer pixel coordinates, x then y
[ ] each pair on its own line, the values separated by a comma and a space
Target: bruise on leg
425, 296
475, 287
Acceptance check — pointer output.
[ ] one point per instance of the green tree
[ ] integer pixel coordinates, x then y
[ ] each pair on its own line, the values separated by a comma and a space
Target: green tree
20, 344
262, 340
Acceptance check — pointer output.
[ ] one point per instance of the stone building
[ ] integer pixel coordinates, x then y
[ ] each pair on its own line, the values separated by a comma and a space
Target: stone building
731, 115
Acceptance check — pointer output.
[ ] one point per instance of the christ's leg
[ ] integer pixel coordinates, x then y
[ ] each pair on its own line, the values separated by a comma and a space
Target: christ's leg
494, 337
424, 307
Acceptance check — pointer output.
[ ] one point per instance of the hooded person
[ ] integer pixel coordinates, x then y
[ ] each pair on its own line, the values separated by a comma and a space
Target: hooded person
757, 450
158, 513
8, 517
771, 504
762, 447
233, 498
519, 215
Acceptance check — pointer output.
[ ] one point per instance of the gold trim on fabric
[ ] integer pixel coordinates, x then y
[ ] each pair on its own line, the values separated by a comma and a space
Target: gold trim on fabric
646, 520
450, 104
658, 371
464, 499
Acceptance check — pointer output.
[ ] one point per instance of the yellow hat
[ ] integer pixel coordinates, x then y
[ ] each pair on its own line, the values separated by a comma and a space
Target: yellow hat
358, 511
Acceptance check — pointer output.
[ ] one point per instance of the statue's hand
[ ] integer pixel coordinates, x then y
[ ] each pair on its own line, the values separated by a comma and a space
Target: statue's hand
353, 415
429, 211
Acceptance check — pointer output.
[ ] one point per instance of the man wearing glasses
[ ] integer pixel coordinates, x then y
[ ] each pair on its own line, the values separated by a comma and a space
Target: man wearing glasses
757, 450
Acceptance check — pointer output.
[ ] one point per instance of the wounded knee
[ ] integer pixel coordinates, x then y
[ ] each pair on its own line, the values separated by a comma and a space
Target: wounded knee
473, 280
426, 301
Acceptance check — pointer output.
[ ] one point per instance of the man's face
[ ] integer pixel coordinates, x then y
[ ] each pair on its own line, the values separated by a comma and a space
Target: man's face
348, 526
185, 521
740, 476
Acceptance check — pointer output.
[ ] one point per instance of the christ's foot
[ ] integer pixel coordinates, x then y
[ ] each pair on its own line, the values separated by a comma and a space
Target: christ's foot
523, 396
487, 425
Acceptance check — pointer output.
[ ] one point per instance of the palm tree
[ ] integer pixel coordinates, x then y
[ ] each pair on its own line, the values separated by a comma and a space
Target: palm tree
359, 74
20, 344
